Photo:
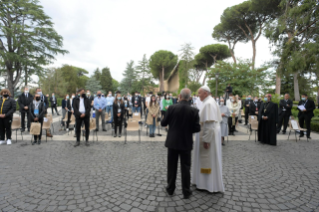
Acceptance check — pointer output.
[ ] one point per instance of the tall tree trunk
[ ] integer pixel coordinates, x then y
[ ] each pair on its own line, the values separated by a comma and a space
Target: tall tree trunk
253, 42
26, 76
10, 82
205, 74
278, 84
162, 80
296, 87
233, 56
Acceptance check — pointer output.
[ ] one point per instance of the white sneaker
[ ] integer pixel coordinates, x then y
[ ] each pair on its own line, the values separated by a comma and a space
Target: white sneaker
8, 142
2, 142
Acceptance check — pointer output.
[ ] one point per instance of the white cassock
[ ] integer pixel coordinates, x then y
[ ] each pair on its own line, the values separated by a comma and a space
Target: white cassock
207, 163
199, 103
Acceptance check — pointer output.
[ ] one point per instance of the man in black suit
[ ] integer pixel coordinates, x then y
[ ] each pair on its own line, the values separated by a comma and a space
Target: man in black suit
45, 101
24, 101
285, 106
306, 114
53, 101
183, 121
137, 103
82, 108
247, 103
254, 107
90, 97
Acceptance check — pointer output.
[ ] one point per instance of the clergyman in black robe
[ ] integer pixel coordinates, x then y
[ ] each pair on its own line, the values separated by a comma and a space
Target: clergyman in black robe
268, 118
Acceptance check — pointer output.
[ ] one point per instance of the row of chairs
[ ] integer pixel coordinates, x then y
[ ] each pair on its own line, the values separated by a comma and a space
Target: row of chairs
293, 125
16, 125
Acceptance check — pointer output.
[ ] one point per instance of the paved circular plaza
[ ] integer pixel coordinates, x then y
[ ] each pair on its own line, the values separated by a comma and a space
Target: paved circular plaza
112, 176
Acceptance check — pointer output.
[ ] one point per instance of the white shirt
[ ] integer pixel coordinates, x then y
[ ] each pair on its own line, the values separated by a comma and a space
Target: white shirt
82, 107
148, 100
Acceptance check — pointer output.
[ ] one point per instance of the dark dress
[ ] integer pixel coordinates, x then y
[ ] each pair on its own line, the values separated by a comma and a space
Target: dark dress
118, 120
267, 129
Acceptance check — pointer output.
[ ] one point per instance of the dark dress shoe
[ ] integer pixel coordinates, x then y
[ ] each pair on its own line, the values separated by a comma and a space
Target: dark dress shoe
168, 192
87, 143
22, 130
39, 142
28, 130
104, 130
187, 196
235, 130
96, 130
119, 135
301, 136
77, 144
115, 135
34, 142
284, 133
309, 137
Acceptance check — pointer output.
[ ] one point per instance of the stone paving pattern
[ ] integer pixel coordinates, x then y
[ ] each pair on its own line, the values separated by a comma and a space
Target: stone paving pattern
112, 176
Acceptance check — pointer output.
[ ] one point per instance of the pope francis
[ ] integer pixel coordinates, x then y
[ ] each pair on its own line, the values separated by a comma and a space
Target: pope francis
207, 163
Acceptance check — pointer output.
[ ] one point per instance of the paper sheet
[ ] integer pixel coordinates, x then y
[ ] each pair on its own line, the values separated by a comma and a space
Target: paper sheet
301, 107
294, 125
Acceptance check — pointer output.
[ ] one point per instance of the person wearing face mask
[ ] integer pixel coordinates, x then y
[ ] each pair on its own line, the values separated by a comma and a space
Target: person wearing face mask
37, 110
167, 102
90, 97
24, 101
224, 123
7, 108
285, 106
254, 107
66, 109
53, 101
82, 108
109, 105
118, 114
234, 108
267, 120
137, 103
100, 105
306, 114
247, 104
153, 114
45, 101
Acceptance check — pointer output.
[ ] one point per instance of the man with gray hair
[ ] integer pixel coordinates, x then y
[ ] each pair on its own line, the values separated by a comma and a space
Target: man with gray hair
183, 121
207, 162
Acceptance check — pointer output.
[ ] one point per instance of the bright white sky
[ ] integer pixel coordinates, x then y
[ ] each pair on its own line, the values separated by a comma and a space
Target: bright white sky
100, 33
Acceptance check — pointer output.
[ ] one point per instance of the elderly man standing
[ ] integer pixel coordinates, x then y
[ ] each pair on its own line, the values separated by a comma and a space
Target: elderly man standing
99, 105
183, 121
207, 172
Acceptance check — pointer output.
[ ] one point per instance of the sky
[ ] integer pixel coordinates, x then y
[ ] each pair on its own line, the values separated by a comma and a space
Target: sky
111, 33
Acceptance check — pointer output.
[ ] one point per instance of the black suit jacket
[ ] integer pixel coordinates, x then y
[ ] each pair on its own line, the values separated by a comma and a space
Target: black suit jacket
284, 105
55, 101
76, 107
41, 111
183, 121
115, 110
138, 99
310, 106
247, 102
252, 108
24, 101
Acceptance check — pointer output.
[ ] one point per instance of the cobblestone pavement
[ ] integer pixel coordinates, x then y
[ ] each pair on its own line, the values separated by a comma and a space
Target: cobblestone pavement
111, 176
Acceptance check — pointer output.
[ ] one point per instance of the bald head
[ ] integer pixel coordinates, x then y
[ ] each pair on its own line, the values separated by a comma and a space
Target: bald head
185, 94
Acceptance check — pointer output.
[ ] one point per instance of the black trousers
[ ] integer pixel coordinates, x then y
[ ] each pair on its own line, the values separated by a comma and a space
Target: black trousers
5, 127
230, 123
172, 164
23, 114
303, 120
117, 124
78, 124
246, 115
69, 119
283, 117
38, 137
54, 107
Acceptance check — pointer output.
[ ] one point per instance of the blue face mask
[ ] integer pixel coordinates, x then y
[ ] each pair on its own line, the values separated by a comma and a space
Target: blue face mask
118, 98
303, 99
248, 98
266, 99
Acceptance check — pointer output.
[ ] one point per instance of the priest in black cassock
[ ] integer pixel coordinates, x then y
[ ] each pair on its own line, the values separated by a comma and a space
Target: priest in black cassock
268, 118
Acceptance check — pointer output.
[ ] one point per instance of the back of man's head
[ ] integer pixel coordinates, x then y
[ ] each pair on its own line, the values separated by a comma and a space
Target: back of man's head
185, 94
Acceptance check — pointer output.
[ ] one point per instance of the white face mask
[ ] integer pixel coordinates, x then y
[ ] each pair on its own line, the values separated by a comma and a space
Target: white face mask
88, 93
26, 91
72, 96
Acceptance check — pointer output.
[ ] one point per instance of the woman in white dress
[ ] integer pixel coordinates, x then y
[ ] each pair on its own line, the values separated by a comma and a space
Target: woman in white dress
224, 123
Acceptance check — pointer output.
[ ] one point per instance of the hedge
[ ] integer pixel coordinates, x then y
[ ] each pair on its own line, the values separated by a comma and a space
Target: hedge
59, 103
